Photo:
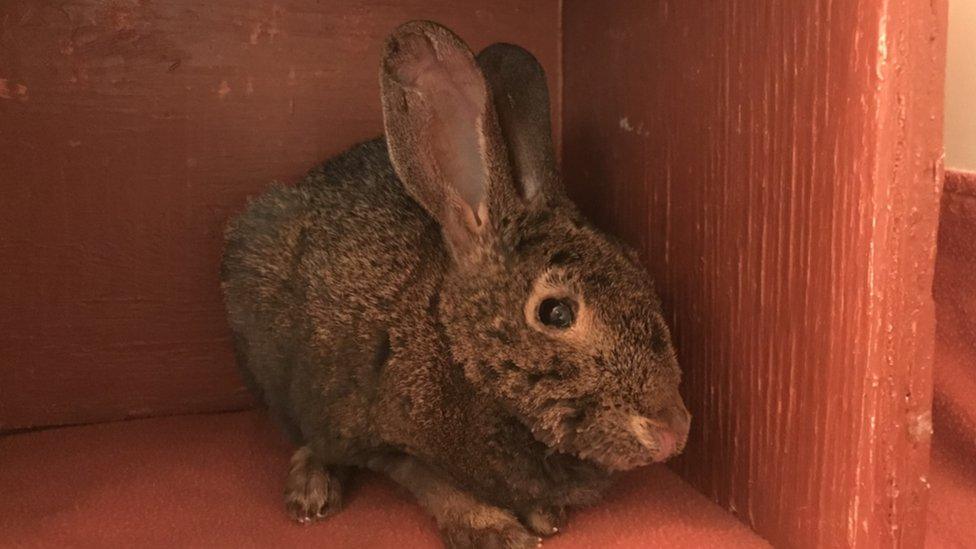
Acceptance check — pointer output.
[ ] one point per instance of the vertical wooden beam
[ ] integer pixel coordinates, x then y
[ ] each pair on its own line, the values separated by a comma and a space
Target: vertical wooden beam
778, 164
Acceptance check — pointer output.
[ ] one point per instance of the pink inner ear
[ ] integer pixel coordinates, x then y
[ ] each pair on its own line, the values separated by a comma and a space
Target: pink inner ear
445, 82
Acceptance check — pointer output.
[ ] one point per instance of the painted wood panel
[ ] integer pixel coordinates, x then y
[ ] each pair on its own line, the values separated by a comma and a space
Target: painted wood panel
778, 164
129, 132
954, 290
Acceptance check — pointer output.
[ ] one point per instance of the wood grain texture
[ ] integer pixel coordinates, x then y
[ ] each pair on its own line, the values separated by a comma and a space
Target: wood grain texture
129, 132
779, 167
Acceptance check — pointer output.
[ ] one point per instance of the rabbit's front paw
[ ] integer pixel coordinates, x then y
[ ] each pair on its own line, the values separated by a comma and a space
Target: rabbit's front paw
496, 532
312, 492
545, 522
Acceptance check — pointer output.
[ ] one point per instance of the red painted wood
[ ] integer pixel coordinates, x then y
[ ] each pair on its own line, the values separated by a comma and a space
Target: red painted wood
779, 167
129, 132
952, 505
954, 291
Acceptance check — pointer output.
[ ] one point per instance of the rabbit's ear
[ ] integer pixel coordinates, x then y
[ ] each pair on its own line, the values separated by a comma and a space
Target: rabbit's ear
521, 96
442, 131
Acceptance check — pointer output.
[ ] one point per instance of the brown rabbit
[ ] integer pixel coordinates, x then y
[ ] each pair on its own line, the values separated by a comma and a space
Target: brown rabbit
432, 306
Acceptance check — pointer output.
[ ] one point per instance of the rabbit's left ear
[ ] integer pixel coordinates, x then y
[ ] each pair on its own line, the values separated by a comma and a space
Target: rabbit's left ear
521, 97
443, 134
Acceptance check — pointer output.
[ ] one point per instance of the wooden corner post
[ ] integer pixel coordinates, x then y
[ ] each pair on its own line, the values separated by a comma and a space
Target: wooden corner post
779, 167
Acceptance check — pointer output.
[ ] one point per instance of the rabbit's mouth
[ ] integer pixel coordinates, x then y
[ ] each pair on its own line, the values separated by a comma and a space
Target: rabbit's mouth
616, 440
628, 450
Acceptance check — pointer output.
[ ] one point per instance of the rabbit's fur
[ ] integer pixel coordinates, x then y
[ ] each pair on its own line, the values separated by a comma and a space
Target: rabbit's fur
388, 309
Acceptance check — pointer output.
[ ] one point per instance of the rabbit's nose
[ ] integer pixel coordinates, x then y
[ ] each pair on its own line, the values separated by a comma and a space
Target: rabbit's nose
677, 419
664, 434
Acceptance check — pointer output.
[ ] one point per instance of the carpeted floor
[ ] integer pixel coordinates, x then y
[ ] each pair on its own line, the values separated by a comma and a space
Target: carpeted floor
216, 481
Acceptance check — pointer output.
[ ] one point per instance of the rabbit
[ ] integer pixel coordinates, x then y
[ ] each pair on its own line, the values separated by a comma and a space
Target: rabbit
431, 306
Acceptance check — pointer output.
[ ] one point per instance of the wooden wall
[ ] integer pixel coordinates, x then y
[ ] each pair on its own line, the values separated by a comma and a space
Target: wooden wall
954, 290
779, 166
129, 132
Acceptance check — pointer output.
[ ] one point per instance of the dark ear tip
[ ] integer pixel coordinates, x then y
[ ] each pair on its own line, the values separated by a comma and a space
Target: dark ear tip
402, 35
415, 40
509, 58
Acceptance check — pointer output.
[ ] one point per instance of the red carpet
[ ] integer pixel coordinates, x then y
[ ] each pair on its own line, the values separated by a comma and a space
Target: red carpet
952, 505
216, 481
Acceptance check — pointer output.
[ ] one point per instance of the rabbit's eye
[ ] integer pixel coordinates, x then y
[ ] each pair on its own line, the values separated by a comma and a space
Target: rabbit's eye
557, 313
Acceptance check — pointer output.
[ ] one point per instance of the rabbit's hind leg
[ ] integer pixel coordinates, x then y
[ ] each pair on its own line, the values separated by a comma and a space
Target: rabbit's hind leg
464, 521
313, 491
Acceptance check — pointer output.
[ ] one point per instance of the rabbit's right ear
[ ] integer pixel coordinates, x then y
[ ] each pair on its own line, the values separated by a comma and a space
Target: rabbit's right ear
443, 135
521, 96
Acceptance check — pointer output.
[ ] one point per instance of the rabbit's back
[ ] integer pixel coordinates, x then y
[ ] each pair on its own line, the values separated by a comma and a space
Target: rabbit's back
315, 273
